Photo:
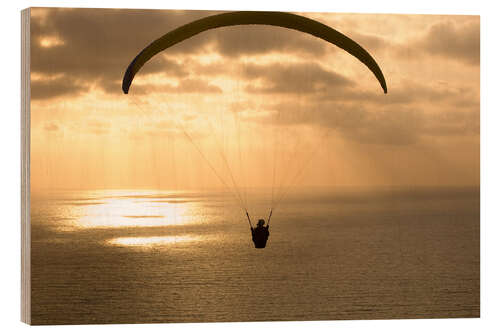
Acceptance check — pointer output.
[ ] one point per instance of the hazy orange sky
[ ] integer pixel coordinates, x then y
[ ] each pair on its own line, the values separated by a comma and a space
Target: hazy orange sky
255, 95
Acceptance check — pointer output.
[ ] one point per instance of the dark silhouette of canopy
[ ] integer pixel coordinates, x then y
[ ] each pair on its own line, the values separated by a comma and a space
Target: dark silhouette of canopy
279, 19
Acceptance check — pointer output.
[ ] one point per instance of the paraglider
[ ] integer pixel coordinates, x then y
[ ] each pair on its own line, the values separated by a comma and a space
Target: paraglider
260, 234
303, 24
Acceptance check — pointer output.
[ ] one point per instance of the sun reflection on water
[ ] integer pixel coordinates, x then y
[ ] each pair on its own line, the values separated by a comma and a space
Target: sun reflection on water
152, 241
131, 209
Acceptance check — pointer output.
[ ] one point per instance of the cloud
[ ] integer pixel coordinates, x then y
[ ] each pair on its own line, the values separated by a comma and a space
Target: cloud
454, 41
97, 45
94, 47
385, 127
42, 89
355, 123
371, 43
302, 78
185, 86
312, 82
397, 125
252, 40
447, 39
412, 92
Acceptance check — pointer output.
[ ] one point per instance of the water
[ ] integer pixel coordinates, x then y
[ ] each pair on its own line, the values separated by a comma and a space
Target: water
135, 256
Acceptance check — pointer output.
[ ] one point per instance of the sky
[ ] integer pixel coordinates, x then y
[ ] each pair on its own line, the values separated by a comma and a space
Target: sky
252, 106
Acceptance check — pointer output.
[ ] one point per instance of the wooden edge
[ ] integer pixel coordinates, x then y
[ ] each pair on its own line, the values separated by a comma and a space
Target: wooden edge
25, 168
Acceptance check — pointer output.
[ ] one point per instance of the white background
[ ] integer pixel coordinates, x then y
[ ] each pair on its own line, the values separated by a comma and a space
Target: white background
490, 166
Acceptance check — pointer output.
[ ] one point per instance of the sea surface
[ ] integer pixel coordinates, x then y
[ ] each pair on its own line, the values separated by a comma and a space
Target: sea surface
142, 256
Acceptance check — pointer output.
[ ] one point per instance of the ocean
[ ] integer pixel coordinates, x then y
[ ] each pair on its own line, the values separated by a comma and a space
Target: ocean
144, 256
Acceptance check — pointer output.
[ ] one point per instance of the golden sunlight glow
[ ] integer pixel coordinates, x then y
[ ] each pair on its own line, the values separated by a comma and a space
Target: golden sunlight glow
155, 79
271, 58
152, 241
209, 58
34, 76
132, 212
51, 41
243, 110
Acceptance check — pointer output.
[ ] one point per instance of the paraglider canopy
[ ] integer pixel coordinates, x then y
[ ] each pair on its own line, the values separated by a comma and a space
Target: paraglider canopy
279, 19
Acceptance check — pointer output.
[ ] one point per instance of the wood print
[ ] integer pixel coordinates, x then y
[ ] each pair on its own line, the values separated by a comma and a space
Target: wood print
215, 166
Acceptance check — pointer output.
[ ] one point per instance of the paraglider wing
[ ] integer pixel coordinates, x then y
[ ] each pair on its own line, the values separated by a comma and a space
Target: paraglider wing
279, 19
